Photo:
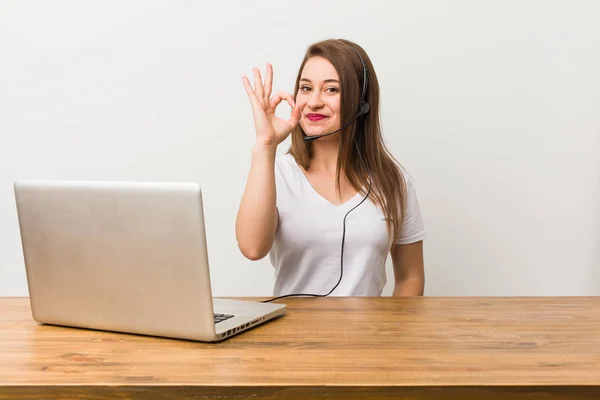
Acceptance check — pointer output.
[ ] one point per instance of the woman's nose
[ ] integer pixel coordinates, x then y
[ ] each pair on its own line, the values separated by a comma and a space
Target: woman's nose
315, 102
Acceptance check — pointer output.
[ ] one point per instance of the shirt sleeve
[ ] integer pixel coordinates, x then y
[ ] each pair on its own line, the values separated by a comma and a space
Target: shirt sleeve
413, 229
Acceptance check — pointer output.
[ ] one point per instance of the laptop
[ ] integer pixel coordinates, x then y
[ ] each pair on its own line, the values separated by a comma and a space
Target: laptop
125, 257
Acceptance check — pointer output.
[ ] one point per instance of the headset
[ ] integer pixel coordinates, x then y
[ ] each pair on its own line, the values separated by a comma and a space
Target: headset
363, 109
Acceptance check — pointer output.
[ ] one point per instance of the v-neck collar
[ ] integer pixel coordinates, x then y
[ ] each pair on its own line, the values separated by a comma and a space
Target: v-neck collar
318, 195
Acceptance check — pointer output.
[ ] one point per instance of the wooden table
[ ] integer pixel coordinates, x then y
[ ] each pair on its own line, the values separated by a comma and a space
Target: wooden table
346, 348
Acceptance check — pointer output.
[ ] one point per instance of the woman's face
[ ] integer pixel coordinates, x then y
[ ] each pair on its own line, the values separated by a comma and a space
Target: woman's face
319, 88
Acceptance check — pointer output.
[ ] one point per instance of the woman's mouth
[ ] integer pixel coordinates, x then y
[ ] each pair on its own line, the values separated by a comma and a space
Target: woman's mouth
315, 117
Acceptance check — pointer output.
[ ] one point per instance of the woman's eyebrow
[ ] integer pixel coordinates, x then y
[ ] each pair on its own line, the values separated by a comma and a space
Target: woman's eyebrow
326, 80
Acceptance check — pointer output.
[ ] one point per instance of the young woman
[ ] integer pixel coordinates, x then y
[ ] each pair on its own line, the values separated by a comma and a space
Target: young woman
336, 204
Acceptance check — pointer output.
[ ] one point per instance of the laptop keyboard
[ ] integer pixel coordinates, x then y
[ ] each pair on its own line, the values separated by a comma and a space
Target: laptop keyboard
222, 317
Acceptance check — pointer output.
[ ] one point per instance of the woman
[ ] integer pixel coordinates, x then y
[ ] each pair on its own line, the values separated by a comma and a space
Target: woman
307, 208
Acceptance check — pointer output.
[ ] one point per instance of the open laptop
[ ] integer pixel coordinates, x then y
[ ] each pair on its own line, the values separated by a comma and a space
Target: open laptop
126, 257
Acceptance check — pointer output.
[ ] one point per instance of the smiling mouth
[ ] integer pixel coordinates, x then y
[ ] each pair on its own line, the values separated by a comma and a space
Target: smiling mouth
315, 117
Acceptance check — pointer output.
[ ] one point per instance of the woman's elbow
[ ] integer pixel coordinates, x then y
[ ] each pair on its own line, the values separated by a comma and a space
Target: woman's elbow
253, 253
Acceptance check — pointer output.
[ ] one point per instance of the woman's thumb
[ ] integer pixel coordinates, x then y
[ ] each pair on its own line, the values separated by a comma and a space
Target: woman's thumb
296, 114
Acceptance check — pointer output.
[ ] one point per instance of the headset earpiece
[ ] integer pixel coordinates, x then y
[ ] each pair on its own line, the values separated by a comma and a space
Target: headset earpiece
364, 108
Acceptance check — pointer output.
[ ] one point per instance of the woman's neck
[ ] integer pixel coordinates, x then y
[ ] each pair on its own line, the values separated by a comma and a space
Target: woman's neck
325, 155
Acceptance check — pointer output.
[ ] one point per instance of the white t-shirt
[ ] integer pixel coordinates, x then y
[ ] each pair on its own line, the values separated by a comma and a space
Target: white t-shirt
307, 248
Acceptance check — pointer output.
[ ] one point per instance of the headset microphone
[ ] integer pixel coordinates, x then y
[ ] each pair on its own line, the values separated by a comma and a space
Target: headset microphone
311, 138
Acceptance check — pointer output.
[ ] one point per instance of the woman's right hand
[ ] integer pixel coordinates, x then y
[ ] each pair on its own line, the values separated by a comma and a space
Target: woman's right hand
270, 129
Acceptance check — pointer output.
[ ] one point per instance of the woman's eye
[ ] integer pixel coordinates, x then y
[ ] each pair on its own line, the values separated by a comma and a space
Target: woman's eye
330, 89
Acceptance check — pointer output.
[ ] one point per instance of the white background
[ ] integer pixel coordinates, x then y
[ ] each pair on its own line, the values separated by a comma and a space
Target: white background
493, 106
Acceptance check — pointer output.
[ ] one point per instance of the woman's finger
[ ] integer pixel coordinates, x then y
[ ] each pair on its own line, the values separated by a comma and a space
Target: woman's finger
268, 83
251, 95
281, 96
258, 85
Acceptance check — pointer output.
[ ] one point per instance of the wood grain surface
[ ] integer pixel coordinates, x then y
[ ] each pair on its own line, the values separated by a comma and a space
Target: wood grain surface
428, 347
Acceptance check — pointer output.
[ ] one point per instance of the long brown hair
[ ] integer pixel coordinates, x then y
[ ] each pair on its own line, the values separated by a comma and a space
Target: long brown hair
388, 190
